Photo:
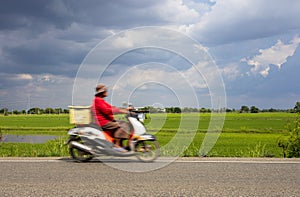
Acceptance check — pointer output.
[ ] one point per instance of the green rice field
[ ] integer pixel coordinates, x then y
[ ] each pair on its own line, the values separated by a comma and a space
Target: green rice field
242, 135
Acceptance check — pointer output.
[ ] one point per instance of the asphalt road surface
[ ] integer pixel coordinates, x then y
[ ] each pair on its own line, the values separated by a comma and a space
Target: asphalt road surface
183, 177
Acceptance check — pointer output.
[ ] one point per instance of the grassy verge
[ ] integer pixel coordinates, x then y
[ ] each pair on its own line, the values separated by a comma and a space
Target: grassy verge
52, 148
228, 145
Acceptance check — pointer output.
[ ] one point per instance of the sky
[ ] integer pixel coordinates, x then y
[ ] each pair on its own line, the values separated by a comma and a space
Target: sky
201, 53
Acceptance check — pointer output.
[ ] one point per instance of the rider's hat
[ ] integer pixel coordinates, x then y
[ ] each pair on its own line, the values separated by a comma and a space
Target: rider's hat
100, 88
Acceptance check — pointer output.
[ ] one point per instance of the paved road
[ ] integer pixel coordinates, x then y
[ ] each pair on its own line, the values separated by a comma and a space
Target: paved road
184, 177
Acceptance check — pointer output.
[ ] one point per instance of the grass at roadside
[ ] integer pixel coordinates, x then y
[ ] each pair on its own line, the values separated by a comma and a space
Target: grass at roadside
52, 148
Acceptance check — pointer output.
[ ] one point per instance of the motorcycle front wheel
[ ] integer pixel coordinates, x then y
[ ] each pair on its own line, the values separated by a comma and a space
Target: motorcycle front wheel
79, 155
147, 151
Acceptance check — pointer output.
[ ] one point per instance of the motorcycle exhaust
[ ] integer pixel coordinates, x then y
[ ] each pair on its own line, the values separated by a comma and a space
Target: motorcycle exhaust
80, 146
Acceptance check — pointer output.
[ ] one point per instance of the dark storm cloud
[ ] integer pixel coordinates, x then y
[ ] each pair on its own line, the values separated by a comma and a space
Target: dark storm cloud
46, 58
38, 14
9, 81
51, 38
34, 14
30, 43
39, 36
115, 14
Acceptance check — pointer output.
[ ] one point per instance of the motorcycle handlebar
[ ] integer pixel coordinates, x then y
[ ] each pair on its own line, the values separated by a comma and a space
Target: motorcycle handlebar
135, 113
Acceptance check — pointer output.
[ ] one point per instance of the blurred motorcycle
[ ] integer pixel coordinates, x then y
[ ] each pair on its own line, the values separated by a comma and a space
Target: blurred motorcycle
89, 141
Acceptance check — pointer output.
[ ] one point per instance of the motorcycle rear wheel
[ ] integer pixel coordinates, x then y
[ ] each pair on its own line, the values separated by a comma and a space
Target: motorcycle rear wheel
80, 155
147, 151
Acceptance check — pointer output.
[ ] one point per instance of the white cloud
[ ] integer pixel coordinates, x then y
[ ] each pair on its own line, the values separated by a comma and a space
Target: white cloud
177, 12
45, 78
275, 55
231, 71
23, 77
125, 41
194, 78
235, 20
161, 74
155, 82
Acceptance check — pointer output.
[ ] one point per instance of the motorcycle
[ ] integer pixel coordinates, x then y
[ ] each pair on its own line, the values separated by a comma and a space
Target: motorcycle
89, 141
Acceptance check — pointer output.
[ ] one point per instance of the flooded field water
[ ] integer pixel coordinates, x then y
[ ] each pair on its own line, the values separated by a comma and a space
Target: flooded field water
35, 139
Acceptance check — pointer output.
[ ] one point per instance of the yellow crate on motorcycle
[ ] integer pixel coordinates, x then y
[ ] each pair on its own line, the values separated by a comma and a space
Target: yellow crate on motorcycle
80, 114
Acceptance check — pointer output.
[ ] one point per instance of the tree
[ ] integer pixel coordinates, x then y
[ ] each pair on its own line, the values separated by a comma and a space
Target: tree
49, 111
169, 109
58, 110
297, 107
204, 110
177, 110
16, 112
5, 112
173, 110
254, 109
244, 109
272, 110
189, 110
35, 110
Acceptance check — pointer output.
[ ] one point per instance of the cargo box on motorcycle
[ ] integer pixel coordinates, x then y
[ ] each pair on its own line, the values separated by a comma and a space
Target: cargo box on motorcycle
80, 115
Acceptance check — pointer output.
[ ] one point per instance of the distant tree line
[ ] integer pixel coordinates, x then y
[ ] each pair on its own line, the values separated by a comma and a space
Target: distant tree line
243, 109
35, 110
151, 109
253, 109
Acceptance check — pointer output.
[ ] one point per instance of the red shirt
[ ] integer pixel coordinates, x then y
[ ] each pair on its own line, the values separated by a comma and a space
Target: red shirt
103, 111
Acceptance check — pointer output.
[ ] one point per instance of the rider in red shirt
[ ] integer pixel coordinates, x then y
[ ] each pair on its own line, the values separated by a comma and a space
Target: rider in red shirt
103, 115
105, 111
